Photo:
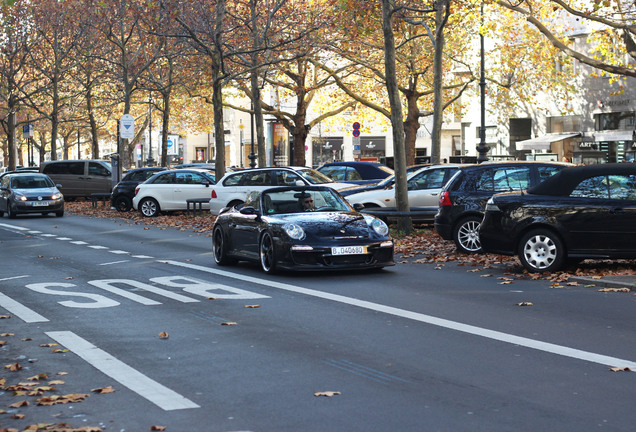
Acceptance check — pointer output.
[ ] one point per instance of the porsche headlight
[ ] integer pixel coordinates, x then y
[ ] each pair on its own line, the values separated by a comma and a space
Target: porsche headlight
377, 225
294, 231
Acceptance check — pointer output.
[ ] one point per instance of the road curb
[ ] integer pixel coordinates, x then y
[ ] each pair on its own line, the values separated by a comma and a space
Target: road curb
608, 282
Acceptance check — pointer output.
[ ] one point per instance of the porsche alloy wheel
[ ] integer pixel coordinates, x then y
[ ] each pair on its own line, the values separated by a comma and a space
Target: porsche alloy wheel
541, 251
149, 207
466, 235
219, 249
267, 254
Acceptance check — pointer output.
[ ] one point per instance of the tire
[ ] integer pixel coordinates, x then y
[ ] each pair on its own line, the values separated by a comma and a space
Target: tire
59, 213
149, 207
11, 214
219, 248
541, 250
267, 253
466, 235
122, 203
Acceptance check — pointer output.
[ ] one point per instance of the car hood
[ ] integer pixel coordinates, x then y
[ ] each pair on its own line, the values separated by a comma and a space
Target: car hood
335, 185
329, 224
36, 192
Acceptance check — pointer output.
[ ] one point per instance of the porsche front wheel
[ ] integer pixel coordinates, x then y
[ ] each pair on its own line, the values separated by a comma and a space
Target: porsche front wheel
219, 248
267, 253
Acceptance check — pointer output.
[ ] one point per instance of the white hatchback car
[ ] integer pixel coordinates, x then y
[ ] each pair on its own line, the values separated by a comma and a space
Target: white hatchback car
234, 187
169, 190
424, 186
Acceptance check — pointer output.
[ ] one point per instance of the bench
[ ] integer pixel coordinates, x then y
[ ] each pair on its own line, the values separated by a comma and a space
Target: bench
105, 196
196, 203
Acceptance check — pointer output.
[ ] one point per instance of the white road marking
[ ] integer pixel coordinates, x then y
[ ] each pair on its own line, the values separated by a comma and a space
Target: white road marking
79, 242
428, 319
118, 252
98, 247
13, 277
35, 232
64, 238
49, 235
143, 256
114, 262
145, 387
106, 285
14, 227
18, 309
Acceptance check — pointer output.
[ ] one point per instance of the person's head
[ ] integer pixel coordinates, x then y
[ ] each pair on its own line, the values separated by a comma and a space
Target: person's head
306, 201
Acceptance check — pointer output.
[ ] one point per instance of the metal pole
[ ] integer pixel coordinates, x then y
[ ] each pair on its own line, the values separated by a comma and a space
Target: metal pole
150, 161
482, 148
79, 156
252, 155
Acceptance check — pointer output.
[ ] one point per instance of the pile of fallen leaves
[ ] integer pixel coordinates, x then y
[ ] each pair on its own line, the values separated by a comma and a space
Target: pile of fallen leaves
424, 246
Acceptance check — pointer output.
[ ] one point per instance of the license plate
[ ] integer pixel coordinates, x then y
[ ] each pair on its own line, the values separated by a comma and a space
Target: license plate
40, 203
348, 250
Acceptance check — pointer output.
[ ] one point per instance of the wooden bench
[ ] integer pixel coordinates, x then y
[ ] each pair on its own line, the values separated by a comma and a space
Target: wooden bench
196, 203
99, 196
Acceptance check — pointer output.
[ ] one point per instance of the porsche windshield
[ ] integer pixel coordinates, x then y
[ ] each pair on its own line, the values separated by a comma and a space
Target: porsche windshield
302, 200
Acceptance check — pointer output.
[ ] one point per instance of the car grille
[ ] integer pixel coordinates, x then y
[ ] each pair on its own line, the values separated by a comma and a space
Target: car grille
37, 198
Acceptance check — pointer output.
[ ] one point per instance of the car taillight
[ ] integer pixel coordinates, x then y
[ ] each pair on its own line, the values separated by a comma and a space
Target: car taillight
136, 190
213, 193
444, 199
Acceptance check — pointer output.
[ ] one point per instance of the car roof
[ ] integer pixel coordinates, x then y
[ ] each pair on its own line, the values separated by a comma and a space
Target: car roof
563, 182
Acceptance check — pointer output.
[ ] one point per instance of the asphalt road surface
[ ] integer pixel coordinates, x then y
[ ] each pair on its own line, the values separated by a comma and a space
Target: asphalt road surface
90, 304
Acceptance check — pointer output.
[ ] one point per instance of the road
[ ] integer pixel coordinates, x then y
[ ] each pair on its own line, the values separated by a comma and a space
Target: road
187, 345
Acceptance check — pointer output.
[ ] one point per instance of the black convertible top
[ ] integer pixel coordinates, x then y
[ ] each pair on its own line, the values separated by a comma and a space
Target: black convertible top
564, 182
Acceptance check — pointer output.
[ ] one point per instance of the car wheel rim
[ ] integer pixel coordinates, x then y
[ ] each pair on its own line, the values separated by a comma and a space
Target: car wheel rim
468, 236
148, 208
122, 205
540, 251
267, 252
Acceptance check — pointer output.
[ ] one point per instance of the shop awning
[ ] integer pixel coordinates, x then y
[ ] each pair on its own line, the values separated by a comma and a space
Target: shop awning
543, 143
613, 135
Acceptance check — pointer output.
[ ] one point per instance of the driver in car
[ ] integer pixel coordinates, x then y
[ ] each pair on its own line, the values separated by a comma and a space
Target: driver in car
306, 202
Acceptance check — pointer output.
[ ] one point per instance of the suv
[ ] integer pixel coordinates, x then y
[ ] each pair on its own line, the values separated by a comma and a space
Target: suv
233, 188
124, 191
79, 178
463, 200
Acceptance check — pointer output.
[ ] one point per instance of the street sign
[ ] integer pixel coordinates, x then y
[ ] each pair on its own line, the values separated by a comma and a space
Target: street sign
356, 125
356, 145
356, 132
27, 131
127, 127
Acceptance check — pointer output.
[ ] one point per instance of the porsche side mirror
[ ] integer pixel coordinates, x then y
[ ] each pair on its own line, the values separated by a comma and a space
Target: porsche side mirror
249, 210
358, 207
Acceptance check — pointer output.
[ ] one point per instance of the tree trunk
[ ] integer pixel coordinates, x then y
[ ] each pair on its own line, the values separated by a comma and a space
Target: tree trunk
258, 117
165, 126
397, 122
411, 126
93, 125
438, 103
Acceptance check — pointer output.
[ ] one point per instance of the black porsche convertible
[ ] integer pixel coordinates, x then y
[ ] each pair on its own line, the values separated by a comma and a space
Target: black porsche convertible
301, 228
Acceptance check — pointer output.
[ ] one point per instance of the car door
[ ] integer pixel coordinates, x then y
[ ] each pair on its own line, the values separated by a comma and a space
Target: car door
244, 229
98, 178
190, 185
161, 189
425, 186
4, 192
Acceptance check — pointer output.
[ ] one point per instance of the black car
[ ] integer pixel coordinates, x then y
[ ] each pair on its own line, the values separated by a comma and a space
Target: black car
124, 191
581, 212
27, 192
300, 228
463, 199
356, 172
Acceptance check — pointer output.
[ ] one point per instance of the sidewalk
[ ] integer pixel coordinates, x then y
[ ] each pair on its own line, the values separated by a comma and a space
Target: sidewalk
628, 281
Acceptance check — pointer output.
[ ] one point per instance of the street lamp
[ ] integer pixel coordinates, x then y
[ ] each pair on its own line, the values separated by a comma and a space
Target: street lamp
482, 148
150, 161
252, 155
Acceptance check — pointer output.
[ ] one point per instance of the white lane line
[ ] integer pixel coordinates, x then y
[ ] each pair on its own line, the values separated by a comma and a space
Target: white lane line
145, 387
143, 256
118, 252
18, 309
79, 242
35, 232
14, 227
48, 235
98, 247
440, 322
64, 238
13, 277
114, 262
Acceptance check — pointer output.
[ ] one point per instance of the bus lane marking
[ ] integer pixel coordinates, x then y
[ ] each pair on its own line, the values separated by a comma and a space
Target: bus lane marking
428, 319
18, 309
149, 389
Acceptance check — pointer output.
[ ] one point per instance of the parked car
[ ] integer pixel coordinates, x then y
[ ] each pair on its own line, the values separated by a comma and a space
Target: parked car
123, 193
168, 190
387, 182
79, 178
356, 172
281, 230
581, 212
463, 199
424, 187
29, 193
233, 188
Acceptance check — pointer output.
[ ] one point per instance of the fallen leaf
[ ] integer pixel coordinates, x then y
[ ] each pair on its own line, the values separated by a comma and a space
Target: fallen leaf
164, 335
18, 416
48, 345
62, 399
524, 304
157, 428
19, 404
624, 290
229, 323
56, 382
38, 377
5, 316
3, 343
62, 373
620, 369
251, 306
6, 334
327, 393
103, 390
13, 367
60, 350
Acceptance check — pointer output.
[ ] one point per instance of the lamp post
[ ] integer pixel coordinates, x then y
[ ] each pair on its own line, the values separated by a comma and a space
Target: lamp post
482, 148
252, 155
150, 161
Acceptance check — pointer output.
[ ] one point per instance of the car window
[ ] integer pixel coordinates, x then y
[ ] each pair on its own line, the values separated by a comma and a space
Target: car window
431, 179
512, 178
136, 176
337, 173
97, 169
314, 177
622, 187
233, 180
167, 178
75, 168
5, 181
594, 187
287, 178
257, 178
352, 174
189, 178
547, 171
253, 200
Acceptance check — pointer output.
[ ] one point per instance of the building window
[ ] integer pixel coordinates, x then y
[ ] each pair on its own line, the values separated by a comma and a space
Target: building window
614, 121
559, 124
